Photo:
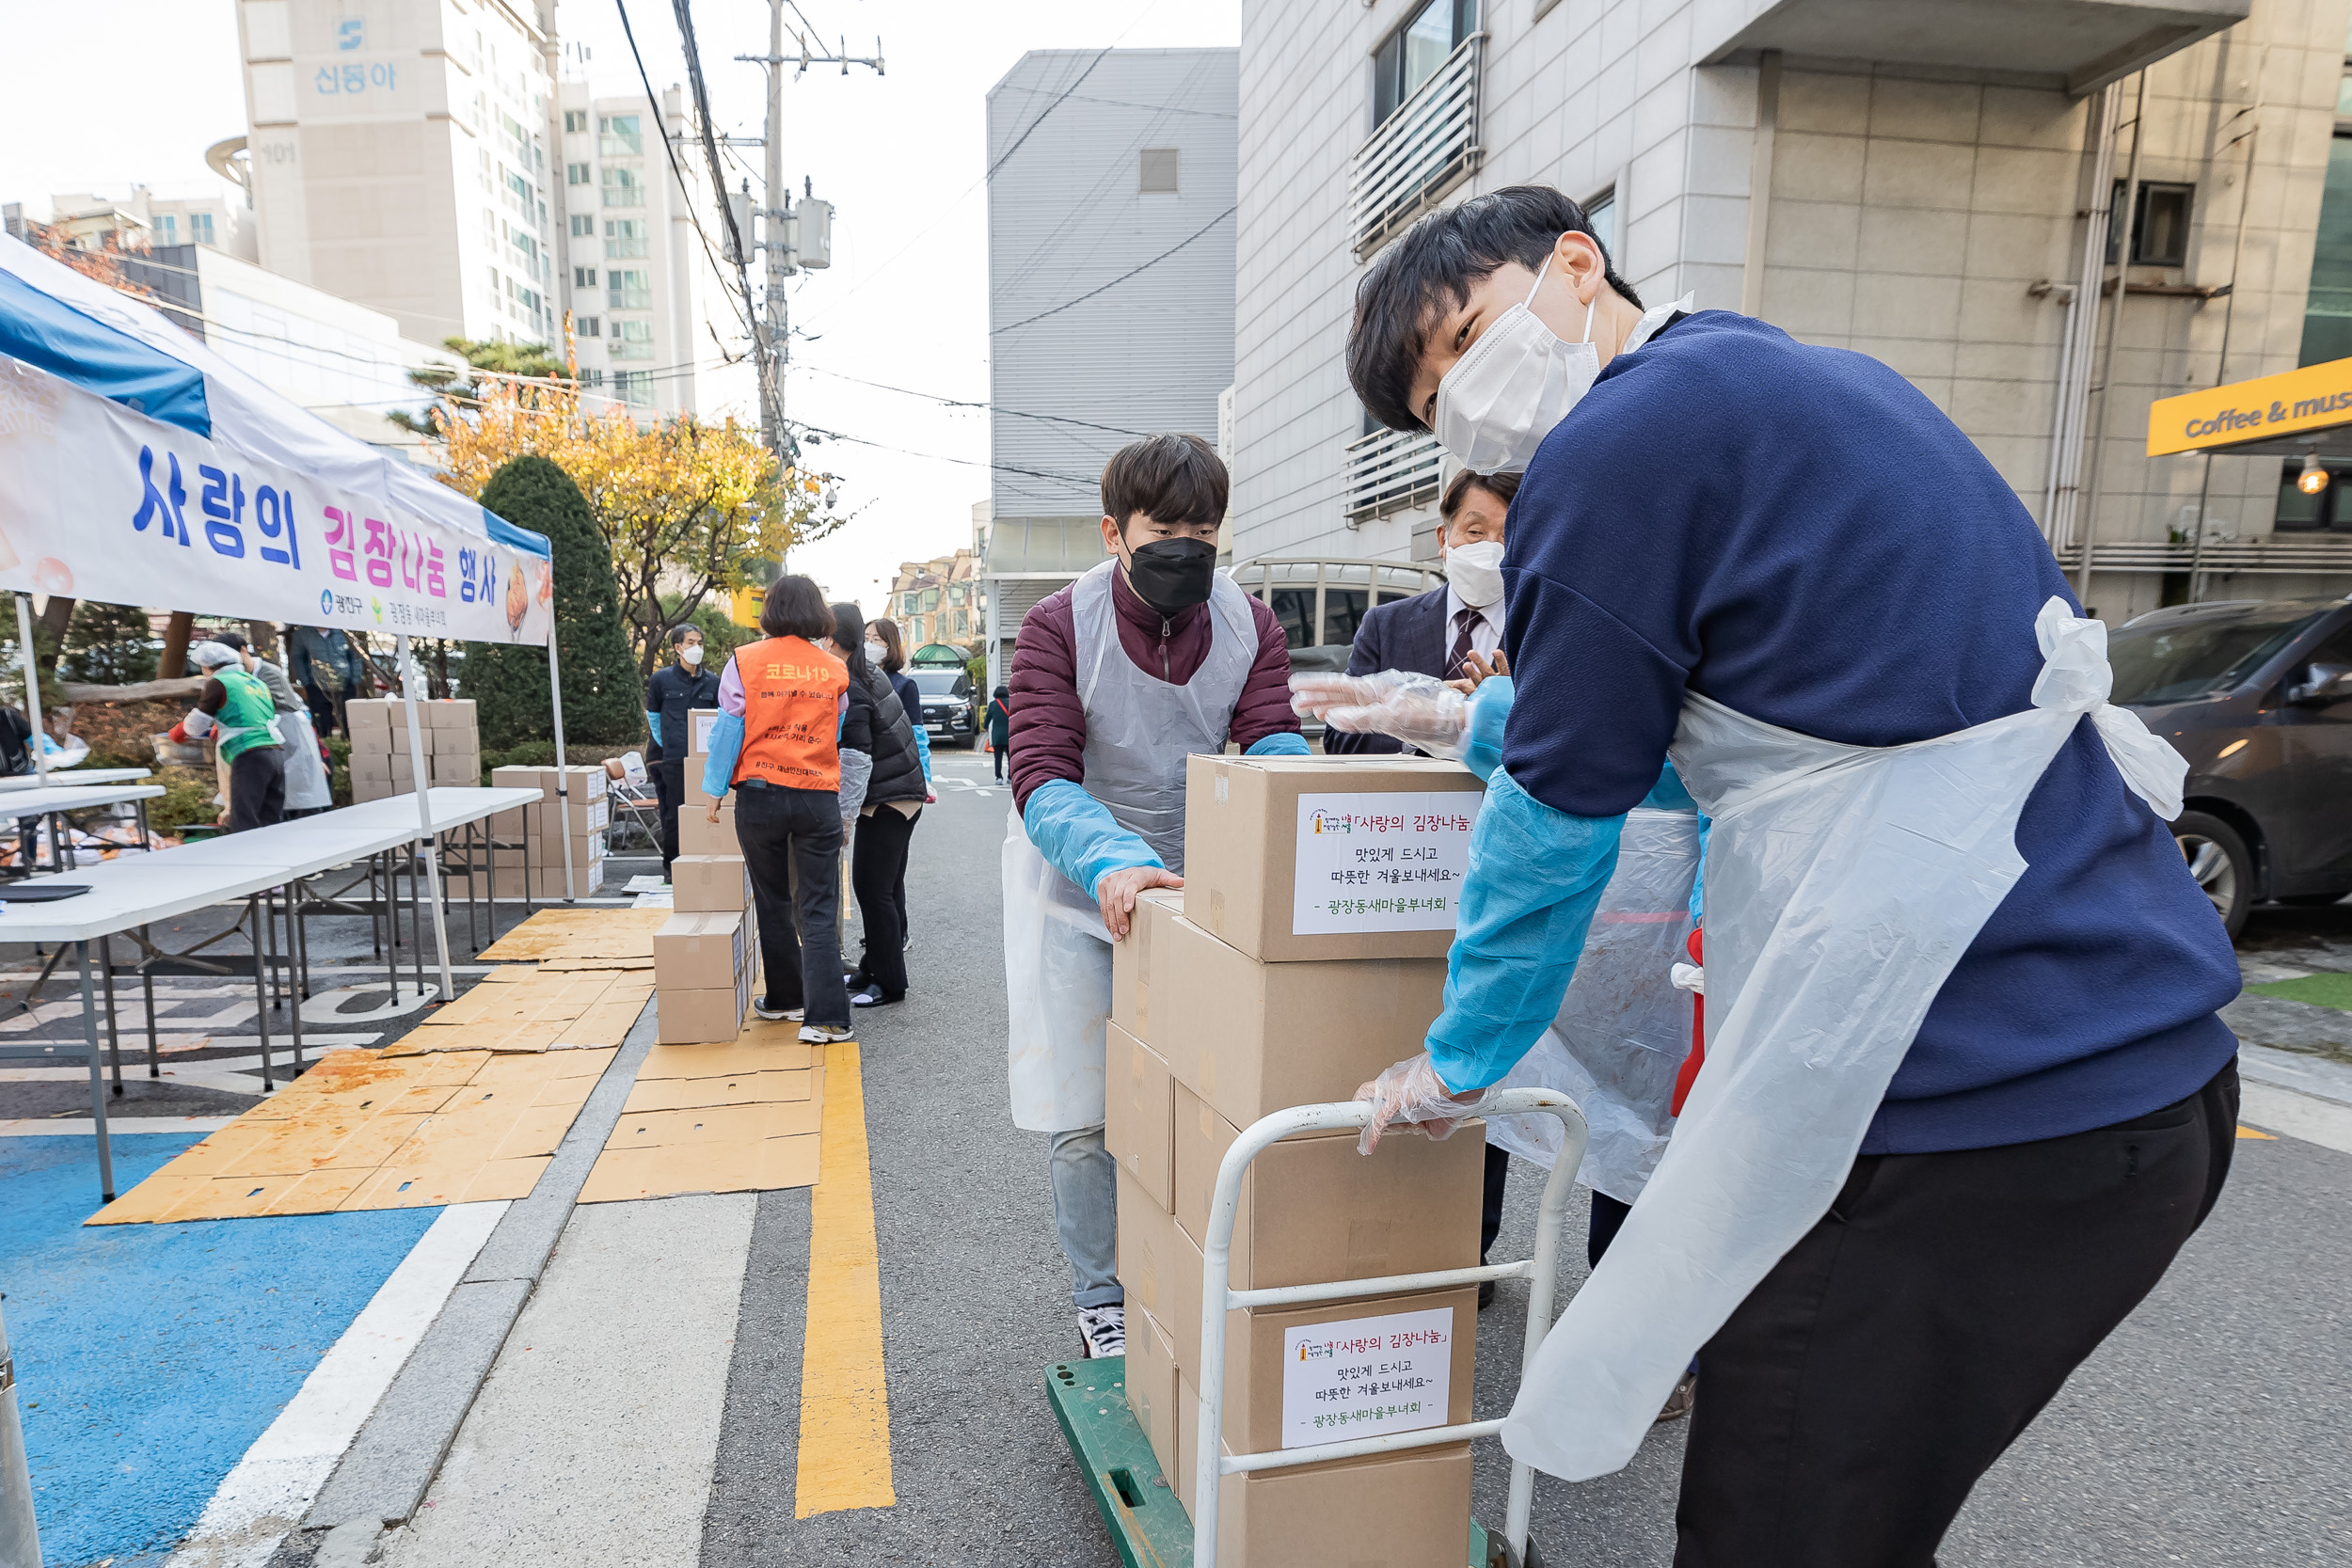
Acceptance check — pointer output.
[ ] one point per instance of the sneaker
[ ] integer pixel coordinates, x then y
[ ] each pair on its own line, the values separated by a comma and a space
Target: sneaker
1678, 1403
777, 1015
826, 1034
1103, 1330
1485, 1294
874, 997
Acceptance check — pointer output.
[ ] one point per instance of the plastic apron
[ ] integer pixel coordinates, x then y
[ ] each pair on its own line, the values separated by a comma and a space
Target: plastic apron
1139, 731
1843, 885
1623, 1029
307, 788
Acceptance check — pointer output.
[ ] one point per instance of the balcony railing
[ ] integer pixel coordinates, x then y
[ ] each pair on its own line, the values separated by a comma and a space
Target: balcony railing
1389, 471
1419, 153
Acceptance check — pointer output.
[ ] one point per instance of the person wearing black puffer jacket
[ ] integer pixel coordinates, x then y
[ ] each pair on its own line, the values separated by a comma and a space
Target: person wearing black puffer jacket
894, 797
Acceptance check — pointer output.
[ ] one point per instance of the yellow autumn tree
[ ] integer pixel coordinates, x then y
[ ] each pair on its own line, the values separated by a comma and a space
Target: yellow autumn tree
687, 507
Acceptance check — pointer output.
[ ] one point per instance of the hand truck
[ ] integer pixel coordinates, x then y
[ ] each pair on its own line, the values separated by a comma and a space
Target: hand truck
1146, 1522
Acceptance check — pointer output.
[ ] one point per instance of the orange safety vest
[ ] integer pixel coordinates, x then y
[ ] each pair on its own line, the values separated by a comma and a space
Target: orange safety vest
792, 714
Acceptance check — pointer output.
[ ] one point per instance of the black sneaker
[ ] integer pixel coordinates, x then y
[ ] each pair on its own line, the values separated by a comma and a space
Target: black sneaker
874, 997
1485, 1294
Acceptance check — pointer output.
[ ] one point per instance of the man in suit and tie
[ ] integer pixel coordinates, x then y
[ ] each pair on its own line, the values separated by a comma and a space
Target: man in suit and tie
1436, 633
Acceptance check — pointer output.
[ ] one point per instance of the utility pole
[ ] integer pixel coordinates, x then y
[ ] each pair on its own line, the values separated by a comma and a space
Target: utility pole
791, 240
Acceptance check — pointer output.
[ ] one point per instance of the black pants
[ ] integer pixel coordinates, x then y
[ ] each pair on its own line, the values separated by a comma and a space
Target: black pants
998, 748
1490, 1216
1852, 1401
669, 787
256, 788
878, 873
791, 841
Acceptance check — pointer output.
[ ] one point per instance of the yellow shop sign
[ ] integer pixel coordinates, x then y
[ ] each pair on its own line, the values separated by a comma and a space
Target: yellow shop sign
2313, 398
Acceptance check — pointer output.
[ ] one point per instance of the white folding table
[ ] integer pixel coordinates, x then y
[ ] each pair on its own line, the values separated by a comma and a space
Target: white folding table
50, 802
74, 778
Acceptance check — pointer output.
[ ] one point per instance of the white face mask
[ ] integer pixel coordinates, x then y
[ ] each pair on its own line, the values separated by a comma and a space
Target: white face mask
1520, 378
691, 655
875, 653
1475, 570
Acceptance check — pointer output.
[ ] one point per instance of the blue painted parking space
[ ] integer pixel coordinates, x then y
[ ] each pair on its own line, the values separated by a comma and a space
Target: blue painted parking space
149, 1357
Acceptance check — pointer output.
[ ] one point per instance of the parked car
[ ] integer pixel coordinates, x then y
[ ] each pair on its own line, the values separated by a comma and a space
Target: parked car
950, 715
2257, 694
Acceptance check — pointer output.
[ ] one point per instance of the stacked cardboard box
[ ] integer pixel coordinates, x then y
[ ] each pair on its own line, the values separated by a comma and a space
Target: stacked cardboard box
704, 968
1305, 954
381, 761
582, 814
709, 884
696, 833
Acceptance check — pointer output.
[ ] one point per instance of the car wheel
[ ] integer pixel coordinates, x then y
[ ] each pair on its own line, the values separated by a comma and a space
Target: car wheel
2218, 857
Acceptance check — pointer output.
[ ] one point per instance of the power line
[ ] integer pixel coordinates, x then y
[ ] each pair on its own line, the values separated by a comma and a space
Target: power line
935, 457
685, 192
1122, 276
966, 403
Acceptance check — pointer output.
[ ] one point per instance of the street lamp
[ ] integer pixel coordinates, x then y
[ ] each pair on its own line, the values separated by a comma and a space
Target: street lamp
2314, 479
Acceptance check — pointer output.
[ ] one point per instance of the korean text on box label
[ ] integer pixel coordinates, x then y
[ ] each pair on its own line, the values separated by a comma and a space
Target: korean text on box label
1381, 862
1361, 1378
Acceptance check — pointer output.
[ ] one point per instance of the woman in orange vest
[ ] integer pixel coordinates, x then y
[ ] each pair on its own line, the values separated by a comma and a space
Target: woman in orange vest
778, 740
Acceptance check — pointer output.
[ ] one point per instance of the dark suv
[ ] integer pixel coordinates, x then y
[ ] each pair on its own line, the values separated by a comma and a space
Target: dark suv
2257, 694
948, 705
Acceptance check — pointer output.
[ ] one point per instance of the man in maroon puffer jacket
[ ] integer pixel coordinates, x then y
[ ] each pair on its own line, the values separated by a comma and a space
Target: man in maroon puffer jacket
1148, 658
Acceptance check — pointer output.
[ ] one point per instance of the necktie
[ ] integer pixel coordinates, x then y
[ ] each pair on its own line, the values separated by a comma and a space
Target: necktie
1464, 619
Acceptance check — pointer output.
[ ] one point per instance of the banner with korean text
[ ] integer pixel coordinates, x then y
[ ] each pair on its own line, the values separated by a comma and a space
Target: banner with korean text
136, 468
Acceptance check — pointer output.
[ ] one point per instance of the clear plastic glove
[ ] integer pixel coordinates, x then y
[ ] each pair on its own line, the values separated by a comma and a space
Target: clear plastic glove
1420, 710
1411, 1095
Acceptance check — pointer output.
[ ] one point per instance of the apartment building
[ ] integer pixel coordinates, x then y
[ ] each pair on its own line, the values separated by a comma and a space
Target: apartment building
637, 276
401, 158
940, 600
1928, 182
147, 219
1110, 245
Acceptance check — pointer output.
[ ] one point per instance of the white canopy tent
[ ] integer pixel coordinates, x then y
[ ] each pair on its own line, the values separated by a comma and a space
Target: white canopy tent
138, 467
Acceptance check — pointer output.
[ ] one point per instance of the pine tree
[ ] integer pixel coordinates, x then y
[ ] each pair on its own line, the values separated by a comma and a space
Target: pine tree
109, 645
604, 696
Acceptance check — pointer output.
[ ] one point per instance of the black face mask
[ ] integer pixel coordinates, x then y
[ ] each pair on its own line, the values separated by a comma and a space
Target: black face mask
1171, 575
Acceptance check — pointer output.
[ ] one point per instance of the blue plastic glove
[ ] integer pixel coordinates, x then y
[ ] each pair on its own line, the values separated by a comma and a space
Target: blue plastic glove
1284, 743
1535, 878
1078, 835
726, 744
923, 749
1482, 742
653, 726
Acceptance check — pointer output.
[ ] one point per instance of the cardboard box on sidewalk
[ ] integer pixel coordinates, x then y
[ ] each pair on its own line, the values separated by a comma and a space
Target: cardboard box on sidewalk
707, 1016
698, 835
1409, 1510
1410, 1207
701, 951
709, 883
1139, 1114
1153, 1387
1131, 961
1290, 858
1148, 1245
1251, 1038
449, 713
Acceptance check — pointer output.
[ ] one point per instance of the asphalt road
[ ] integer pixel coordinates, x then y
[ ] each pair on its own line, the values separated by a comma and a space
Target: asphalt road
2206, 1429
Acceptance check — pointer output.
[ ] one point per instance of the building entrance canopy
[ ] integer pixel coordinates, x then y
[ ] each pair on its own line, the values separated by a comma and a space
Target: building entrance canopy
2299, 413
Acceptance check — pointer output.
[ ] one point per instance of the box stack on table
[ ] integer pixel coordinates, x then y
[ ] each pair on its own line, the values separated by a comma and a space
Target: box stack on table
381, 763
1305, 954
704, 968
696, 833
582, 814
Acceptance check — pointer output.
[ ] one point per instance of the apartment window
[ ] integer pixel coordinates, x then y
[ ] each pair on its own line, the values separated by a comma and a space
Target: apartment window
1156, 173
618, 134
576, 174
623, 186
583, 277
2160, 228
624, 238
591, 377
909, 603
200, 228
2329, 512
628, 289
633, 386
166, 229
1414, 51
631, 340
1601, 212
588, 326
2327, 308
583, 227
575, 122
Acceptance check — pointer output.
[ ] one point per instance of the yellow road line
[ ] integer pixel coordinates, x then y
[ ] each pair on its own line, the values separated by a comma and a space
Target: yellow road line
845, 1408
2246, 1131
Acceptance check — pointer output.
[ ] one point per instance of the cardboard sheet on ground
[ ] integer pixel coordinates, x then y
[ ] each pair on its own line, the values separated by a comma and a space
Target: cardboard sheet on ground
519, 1009
364, 1131
744, 1117
587, 938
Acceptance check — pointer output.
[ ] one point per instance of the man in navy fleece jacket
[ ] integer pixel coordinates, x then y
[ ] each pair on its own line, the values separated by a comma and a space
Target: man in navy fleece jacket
1799, 534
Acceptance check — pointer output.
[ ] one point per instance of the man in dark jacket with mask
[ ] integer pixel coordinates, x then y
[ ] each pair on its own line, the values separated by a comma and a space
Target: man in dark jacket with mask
679, 687
1100, 736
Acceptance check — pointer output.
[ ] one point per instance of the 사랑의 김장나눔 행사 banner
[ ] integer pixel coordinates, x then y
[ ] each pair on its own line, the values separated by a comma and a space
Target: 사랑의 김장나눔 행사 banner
138, 467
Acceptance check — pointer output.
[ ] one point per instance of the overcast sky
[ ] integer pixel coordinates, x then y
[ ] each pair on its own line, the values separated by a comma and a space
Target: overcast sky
125, 90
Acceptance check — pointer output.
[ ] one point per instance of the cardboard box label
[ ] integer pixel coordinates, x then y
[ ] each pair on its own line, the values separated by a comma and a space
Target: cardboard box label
700, 721
1390, 861
1366, 1376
